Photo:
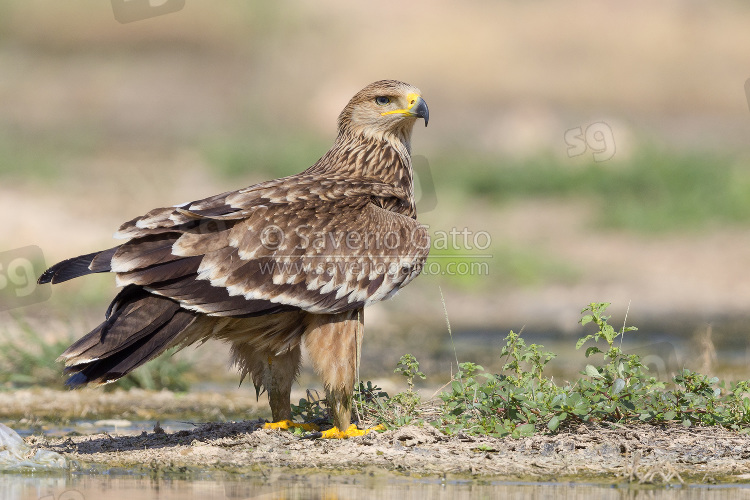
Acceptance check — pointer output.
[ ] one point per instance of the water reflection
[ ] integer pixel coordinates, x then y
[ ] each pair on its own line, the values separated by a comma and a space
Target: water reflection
116, 486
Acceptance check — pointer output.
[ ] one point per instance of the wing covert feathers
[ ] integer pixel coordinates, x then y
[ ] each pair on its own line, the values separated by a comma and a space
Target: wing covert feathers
308, 243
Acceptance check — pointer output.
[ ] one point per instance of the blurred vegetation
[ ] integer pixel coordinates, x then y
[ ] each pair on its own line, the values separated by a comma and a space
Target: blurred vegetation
652, 191
39, 157
507, 263
19, 161
262, 153
27, 359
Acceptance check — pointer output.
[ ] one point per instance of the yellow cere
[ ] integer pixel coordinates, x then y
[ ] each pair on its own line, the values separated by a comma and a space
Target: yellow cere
413, 97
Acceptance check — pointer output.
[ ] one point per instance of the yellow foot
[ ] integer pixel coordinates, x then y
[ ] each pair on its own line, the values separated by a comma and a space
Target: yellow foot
288, 424
352, 431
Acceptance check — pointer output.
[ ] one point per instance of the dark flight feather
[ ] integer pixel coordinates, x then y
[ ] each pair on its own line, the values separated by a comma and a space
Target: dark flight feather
124, 360
96, 262
138, 317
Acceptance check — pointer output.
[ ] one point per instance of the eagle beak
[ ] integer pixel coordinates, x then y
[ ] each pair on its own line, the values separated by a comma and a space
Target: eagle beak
420, 110
417, 108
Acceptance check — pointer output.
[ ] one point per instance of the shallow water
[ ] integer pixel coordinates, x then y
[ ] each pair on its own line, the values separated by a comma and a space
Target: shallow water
123, 486
116, 426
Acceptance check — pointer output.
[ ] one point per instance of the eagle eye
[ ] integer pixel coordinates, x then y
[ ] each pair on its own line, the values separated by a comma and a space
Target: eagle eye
382, 100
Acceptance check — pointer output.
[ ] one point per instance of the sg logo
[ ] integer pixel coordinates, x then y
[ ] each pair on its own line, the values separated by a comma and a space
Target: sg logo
19, 270
127, 11
598, 137
661, 359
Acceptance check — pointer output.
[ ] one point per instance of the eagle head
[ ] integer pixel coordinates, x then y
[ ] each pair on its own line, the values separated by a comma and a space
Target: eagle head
386, 109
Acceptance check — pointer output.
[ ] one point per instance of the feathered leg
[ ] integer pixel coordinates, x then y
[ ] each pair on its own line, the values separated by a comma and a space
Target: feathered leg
279, 375
271, 372
334, 343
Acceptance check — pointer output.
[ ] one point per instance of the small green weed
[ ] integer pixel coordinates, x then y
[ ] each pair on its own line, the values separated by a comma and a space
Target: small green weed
375, 405
313, 408
408, 366
404, 404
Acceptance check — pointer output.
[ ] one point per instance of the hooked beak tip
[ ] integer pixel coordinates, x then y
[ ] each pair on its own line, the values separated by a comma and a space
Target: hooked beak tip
420, 110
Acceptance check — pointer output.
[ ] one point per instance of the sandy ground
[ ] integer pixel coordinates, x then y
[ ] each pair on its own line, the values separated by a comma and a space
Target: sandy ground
641, 454
47, 408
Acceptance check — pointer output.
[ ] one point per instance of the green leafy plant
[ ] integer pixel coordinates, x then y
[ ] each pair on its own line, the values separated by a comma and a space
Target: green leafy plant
372, 403
408, 367
522, 400
313, 408
404, 404
376, 406
499, 404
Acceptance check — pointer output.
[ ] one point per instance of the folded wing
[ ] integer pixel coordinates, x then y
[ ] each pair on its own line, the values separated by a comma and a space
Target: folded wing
322, 245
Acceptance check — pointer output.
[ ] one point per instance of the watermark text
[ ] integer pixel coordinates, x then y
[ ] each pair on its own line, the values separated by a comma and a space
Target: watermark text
597, 137
19, 270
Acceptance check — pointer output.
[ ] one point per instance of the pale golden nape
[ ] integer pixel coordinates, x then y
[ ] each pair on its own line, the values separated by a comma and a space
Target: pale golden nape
266, 268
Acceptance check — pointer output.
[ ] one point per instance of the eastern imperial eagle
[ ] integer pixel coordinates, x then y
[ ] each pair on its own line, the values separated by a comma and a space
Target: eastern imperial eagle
271, 266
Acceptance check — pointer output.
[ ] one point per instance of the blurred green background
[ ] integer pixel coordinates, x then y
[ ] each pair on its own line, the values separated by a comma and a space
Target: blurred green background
102, 121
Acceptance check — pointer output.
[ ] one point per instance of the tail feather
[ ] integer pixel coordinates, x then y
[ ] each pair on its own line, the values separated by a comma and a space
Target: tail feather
129, 324
73, 354
97, 262
137, 331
